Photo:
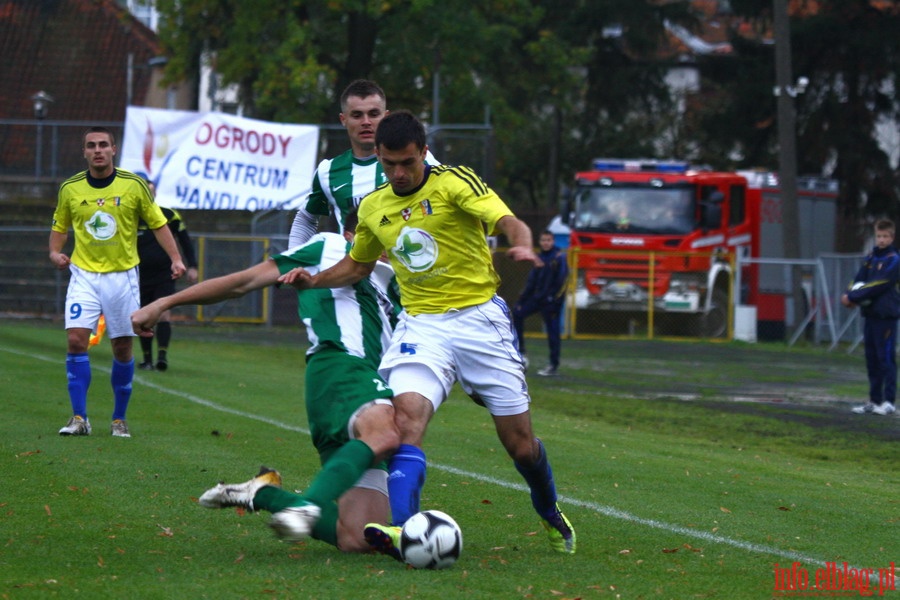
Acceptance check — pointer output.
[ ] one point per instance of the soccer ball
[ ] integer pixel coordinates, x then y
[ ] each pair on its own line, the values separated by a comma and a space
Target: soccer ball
855, 287
430, 539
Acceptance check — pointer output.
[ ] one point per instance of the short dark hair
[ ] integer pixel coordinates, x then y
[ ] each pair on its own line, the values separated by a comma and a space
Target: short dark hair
885, 225
398, 130
361, 88
98, 129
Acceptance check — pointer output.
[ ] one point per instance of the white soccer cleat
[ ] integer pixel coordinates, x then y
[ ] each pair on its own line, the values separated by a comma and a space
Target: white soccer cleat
239, 494
295, 523
863, 408
884, 409
76, 426
119, 428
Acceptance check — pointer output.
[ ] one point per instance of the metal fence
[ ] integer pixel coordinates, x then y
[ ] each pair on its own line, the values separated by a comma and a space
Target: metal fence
838, 270
52, 149
46, 148
31, 287
633, 297
823, 319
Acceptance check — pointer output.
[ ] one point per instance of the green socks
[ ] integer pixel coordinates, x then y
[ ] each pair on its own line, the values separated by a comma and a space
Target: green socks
342, 470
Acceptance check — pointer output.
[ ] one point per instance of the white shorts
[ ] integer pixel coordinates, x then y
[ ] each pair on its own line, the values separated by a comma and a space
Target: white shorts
373, 479
114, 295
475, 346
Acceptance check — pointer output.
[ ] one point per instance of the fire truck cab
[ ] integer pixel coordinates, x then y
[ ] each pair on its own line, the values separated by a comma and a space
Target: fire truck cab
651, 232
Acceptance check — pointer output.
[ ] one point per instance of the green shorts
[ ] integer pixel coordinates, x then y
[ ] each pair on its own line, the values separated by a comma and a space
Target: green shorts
337, 385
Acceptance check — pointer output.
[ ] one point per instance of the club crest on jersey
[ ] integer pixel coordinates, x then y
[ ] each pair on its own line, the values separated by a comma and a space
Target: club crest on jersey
101, 226
426, 207
101, 201
415, 249
406, 213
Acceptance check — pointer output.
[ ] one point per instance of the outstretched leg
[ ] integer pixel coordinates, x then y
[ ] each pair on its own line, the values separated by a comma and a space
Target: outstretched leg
530, 458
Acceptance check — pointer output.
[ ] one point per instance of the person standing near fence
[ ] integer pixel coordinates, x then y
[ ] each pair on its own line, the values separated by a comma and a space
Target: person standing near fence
157, 282
876, 290
545, 292
103, 206
340, 183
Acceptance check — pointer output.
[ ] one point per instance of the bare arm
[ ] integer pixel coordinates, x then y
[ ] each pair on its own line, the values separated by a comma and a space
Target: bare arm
519, 236
167, 241
346, 272
210, 291
57, 241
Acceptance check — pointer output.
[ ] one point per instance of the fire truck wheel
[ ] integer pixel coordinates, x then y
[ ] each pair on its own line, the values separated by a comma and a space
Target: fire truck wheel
714, 324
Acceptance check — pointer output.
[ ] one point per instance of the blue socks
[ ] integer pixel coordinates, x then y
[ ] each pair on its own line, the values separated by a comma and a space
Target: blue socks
539, 478
406, 476
78, 373
121, 378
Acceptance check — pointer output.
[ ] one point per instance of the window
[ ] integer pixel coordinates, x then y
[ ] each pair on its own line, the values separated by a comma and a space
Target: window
738, 209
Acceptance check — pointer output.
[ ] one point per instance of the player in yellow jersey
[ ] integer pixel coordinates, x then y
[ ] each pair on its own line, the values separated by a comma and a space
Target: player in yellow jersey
103, 206
431, 221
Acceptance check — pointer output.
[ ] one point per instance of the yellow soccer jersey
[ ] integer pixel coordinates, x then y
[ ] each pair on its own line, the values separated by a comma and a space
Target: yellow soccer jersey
435, 239
105, 220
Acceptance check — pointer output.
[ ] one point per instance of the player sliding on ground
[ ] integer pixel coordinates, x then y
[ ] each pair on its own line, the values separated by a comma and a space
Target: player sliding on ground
348, 328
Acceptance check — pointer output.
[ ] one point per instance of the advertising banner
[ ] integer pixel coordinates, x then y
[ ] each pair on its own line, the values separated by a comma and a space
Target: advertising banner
217, 161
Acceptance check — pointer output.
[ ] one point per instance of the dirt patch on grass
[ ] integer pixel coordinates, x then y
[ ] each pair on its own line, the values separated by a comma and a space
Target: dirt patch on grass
811, 387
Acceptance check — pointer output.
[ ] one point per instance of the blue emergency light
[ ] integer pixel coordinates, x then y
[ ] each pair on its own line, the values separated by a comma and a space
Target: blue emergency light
641, 165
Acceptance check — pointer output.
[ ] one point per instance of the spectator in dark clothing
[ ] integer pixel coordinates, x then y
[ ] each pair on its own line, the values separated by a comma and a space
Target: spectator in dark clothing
544, 292
156, 282
876, 290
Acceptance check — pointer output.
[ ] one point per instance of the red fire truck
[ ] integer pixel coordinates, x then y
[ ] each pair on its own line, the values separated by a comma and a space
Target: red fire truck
689, 221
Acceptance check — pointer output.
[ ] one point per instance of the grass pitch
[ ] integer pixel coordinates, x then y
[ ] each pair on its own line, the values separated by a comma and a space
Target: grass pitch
688, 470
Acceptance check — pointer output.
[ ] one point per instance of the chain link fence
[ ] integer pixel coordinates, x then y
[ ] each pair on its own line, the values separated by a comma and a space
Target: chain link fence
46, 148
31, 287
821, 319
52, 149
647, 294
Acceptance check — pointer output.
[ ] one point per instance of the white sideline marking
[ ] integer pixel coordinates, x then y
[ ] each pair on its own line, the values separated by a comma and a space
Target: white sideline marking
608, 511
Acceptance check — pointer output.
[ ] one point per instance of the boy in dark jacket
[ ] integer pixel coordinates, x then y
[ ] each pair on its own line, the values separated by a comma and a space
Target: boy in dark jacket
544, 292
876, 290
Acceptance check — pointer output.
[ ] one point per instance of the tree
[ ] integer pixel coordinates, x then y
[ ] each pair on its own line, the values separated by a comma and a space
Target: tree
849, 51
564, 79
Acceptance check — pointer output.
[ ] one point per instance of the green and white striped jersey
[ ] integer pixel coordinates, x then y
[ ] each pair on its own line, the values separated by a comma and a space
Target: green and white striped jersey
339, 185
355, 319
341, 182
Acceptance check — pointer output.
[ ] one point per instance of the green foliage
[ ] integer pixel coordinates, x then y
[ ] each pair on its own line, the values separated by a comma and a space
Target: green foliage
676, 491
566, 80
847, 50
